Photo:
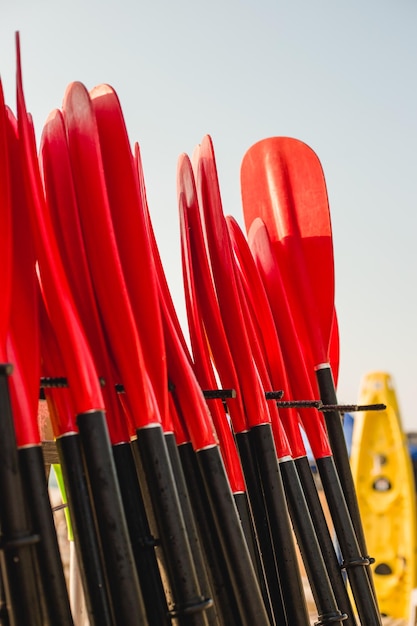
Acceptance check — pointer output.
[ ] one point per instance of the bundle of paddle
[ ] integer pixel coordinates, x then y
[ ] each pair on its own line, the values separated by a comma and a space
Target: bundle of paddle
186, 500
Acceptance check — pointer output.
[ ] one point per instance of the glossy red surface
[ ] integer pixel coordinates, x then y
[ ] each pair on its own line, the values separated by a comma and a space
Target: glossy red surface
312, 420
220, 254
102, 251
283, 183
81, 372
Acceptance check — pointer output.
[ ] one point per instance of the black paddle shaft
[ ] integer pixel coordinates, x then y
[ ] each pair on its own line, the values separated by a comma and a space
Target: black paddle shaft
355, 564
260, 520
328, 611
340, 453
190, 524
18, 557
142, 541
325, 539
86, 539
54, 590
341, 458
263, 447
190, 605
111, 521
229, 528
223, 594
4, 613
246, 519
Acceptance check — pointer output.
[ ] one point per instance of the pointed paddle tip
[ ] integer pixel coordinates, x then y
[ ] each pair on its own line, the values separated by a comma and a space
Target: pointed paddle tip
19, 80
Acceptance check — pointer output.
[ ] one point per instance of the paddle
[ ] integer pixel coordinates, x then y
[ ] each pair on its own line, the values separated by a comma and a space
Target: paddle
262, 320
283, 183
212, 532
204, 441
83, 523
18, 541
60, 195
313, 422
207, 380
118, 319
224, 601
84, 384
23, 350
128, 205
298, 508
257, 414
304, 529
206, 302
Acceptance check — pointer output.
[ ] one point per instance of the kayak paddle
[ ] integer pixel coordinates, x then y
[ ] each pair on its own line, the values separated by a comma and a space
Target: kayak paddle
257, 413
24, 352
18, 556
312, 421
84, 385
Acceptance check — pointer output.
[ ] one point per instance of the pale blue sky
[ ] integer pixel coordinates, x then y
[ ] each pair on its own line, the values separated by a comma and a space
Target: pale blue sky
340, 76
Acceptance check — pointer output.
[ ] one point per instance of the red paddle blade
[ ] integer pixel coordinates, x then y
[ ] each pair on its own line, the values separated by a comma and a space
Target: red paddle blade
62, 202
205, 303
283, 183
127, 206
81, 372
60, 403
5, 231
23, 338
163, 287
261, 247
255, 296
280, 437
102, 251
220, 254
202, 364
186, 389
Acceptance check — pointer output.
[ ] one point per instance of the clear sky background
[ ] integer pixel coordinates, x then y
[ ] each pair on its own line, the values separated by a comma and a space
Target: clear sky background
341, 76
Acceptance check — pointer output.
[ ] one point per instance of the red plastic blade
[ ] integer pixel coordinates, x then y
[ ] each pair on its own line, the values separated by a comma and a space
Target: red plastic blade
60, 403
127, 206
81, 372
283, 184
225, 282
263, 324
186, 388
282, 445
205, 302
23, 339
62, 202
262, 251
102, 251
161, 278
202, 364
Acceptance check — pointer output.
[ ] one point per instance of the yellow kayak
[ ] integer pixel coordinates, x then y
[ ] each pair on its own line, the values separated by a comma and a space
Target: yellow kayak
384, 481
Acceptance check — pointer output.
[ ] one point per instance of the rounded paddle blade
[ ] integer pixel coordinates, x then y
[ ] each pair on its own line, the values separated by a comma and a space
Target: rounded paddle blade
283, 183
127, 205
62, 202
102, 251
